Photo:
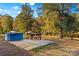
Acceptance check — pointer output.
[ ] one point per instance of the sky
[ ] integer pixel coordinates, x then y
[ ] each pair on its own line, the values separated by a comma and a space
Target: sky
14, 9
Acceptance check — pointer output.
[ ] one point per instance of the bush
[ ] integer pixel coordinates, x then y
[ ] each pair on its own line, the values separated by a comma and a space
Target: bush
1, 36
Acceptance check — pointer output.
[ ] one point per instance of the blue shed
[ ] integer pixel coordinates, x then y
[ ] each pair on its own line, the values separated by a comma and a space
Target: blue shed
13, 36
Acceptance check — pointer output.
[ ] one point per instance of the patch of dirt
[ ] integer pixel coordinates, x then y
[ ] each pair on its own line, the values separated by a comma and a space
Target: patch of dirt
6, 49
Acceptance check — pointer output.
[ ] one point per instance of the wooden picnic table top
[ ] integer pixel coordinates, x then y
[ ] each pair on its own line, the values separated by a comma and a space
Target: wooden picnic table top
35, 33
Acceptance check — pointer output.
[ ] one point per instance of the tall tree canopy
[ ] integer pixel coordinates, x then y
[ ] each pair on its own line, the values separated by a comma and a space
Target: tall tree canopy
23, 21
6, 23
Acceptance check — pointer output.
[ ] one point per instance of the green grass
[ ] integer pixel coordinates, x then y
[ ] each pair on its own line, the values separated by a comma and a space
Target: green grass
41, 48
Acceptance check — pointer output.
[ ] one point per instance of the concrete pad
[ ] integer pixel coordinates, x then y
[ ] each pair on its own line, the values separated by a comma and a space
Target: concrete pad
30, 44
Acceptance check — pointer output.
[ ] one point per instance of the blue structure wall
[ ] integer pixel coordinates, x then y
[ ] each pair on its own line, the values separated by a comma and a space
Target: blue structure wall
13, 36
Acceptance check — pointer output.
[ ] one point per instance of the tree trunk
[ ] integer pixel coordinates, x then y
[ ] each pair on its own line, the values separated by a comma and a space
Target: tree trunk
61, 36
71, 35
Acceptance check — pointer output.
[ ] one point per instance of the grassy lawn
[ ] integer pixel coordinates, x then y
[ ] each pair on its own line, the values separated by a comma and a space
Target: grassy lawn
50, 50
63, 47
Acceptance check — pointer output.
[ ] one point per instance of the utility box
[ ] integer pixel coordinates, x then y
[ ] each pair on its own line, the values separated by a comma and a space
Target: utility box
10, 36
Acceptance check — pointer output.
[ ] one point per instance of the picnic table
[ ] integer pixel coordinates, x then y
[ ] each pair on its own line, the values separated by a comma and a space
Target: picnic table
35, 35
